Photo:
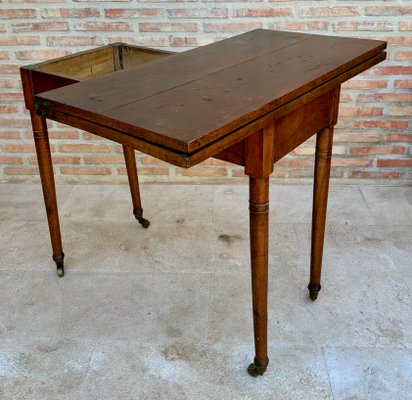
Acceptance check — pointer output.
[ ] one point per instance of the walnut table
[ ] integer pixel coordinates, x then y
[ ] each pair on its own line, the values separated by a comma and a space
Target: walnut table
249, 100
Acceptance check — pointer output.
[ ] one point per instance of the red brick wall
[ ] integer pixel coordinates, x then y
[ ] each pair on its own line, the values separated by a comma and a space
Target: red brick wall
373, 136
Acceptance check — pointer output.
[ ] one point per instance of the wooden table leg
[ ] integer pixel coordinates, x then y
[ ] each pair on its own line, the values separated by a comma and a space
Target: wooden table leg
323, 156
259, 231
130, 159
259, 165
41, 140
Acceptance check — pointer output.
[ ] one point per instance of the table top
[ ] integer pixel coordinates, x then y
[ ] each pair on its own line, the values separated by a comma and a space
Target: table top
189, 100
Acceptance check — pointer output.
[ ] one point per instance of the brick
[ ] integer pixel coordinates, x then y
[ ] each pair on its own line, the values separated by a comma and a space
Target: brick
399, 40
7, 84
199, 171
367, 98
402, 84
14, 122
405, 26
188, 13
232, 26
104, 26
351, 162
392, 70
399, 137
364, 84
374, 175
84, 148
304, 150
146, 171
400, 111
9, 135
10, 160
23, 170
356, 138
294, 162
168, 27
344, 11
4, 55
12, 96
19, 40
262, 12
2, 28
388, 10
302, 26
395, 97
378, 149
36, 1
133, 12
364, 112
149, 41
62, 134
403, 55
9, 69
104, 160
388, 124
57, 159
85, 171
40, 26
374, 26
74, 41
398, 163
148, 160
17, 13
183, 41
40, 54
7, 109
19, 148
70, 13
345, 98
215, 161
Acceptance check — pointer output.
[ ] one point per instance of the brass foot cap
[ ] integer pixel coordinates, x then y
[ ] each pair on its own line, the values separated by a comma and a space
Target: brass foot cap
313, 292
59, 260
254, 370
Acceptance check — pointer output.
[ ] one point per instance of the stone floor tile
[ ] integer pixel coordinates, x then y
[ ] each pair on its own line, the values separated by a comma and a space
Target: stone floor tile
110, 306
293, 204
389, 204
190, 370
25, 246
25, 202
370, 373
349, 309
36, 369
11, 286
162, 204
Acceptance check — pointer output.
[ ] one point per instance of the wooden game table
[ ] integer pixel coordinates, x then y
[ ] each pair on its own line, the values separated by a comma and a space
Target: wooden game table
249, 100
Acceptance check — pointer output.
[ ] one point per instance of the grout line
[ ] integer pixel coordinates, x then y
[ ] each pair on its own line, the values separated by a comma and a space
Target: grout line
367, 204
327, 370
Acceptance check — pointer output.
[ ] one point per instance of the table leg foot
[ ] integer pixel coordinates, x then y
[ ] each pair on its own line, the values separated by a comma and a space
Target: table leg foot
138, 213
59, 260
313, 291
256, 370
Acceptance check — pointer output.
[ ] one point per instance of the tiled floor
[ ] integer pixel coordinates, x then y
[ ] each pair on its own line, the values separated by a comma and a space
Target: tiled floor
165, 313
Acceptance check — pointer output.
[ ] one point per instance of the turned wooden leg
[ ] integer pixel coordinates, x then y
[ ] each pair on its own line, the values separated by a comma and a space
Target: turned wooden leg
41, 141
259, 230
130, 160
323, 156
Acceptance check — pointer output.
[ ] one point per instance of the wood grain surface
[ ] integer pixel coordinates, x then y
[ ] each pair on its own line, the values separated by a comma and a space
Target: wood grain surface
189, 100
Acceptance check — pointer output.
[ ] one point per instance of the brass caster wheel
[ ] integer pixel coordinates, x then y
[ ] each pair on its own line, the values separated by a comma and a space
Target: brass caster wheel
144, 222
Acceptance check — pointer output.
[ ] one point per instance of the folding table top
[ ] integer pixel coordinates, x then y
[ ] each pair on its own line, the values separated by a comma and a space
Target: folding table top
189, 100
